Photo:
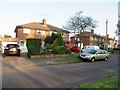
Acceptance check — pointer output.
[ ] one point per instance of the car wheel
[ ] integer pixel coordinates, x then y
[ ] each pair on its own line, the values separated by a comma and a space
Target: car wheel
3, 55
18, 54
106, 58
93, 59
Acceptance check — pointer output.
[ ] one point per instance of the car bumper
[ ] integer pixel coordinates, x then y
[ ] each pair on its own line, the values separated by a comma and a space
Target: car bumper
85, 58
12, 52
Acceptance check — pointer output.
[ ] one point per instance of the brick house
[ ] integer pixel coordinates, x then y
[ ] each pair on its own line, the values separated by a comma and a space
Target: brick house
37, 30
90, 38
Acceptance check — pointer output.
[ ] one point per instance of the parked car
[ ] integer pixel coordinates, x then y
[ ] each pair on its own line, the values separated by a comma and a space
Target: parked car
12, 49
93, 55
89, 47
75, 49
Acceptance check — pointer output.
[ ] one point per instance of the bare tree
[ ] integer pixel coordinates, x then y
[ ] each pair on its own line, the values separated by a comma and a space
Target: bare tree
79, 23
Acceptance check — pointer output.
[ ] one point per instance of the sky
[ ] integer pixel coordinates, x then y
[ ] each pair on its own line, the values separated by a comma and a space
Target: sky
57, 13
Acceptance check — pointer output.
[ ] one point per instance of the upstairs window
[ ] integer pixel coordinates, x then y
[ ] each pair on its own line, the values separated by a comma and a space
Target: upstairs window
27, 31
40, 32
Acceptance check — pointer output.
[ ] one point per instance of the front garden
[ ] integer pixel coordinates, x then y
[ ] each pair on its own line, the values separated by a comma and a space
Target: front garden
53, 44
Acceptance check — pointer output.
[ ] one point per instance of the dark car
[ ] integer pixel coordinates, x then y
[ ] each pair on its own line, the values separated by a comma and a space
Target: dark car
11, 49
75, 49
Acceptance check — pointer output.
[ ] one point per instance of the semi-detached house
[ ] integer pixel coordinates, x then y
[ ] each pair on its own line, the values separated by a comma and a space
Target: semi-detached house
37, 30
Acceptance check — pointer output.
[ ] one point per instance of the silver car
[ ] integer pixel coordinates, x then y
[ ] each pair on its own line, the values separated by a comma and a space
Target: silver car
93, 55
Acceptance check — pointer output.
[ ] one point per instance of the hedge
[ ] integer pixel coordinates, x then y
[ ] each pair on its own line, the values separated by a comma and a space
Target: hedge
33, 46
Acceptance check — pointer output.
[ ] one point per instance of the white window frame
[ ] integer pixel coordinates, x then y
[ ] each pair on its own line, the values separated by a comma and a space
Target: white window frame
40, 32
23, 43
26, 30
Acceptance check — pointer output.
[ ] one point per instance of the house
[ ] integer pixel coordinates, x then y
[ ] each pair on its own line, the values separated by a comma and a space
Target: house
90, 38
112, 43
37, 30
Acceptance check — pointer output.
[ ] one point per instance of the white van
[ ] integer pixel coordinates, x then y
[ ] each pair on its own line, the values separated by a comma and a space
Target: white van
89, 47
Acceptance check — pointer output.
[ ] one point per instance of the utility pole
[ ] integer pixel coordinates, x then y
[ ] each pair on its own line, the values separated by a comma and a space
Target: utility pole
106, 44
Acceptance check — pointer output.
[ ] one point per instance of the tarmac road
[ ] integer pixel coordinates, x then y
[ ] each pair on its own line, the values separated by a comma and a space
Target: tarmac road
54, 76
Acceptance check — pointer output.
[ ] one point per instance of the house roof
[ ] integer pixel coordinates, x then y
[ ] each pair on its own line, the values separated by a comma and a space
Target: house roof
89, 34
41, 26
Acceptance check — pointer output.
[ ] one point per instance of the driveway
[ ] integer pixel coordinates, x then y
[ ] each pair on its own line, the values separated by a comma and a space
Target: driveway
28, 75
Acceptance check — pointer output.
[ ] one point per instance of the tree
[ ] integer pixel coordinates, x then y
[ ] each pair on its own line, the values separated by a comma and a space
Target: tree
7, 36
118, 31
79, 23
50, 39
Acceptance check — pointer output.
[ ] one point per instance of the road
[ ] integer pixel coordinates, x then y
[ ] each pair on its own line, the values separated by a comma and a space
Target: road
54, 76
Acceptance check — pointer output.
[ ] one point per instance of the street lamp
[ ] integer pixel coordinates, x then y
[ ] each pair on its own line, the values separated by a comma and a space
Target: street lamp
106, 34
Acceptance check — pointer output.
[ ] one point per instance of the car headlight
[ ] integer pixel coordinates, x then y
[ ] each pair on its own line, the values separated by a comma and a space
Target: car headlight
87, 56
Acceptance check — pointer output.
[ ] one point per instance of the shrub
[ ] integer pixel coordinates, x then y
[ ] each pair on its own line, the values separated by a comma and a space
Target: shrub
48, 48
33, 46
68, 51
58, 41
59, 50
49, 40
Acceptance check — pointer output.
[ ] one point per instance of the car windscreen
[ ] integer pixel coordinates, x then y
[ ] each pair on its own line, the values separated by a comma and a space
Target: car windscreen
92, 51
12, 45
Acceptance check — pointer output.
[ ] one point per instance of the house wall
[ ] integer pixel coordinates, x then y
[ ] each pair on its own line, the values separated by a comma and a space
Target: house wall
23, 36
86, 40
66, 37
33, 34
112, 43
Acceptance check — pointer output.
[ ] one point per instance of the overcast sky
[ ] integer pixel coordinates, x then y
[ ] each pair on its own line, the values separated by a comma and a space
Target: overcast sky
57, 12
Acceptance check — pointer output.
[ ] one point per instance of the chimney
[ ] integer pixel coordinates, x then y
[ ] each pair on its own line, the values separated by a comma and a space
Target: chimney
44, 21
107, 35
114, 38
92, 31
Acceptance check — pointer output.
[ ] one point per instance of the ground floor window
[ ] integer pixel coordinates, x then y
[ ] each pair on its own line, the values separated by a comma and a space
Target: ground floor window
22, 43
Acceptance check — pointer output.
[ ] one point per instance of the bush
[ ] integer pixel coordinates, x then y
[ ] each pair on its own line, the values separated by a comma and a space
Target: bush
49, 40
68, 51
58, 41
33, 46
59, 50
48, 48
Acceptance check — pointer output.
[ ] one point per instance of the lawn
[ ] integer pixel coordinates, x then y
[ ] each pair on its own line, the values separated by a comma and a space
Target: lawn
109, 83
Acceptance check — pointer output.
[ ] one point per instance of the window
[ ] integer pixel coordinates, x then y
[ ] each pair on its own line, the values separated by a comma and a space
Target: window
92, 38
78, 39
63, 34
40, 32
96, 38
103, 40
27, 31
22, 43
52, 32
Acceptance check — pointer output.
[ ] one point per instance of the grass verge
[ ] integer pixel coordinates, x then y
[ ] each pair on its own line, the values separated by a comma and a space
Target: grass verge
72, 59
111, 83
